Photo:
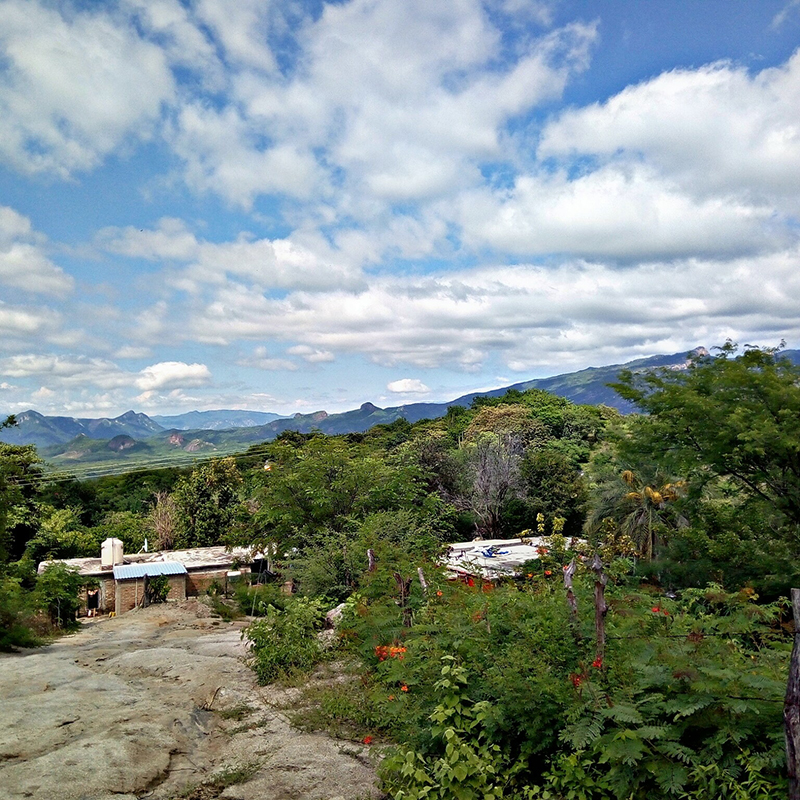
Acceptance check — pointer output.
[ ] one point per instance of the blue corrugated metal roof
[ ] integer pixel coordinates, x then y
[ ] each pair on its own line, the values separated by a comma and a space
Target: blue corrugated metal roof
154, 568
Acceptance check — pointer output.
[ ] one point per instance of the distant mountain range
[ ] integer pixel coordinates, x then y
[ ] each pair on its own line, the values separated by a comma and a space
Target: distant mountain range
215, 420
34, 428
138, 438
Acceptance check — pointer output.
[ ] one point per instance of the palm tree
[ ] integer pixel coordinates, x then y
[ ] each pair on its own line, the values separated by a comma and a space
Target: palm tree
643, 510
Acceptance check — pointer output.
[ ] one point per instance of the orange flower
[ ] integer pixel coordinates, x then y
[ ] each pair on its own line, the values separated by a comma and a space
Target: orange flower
547, 572
391, 697
439, 593
530, 574
404, 688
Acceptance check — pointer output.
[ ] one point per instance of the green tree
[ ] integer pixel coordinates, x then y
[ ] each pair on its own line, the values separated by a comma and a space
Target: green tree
208, 503
733, 416
553, 486
325, 484
61, 535
56, 593
643, 510
131, 529
20, 480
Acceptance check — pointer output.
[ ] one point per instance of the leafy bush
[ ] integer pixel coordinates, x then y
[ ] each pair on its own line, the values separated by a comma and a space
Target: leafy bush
15, 616
467, 766
286, 640
56, 593
685, 704
157, 589
256, 599
689, 704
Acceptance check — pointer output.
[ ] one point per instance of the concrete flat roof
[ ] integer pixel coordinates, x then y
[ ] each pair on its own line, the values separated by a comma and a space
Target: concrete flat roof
491, 558
196, 558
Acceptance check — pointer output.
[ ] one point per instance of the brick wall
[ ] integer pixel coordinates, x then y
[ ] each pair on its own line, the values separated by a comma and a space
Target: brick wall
177, 587
108, 594
129, 592
199, 581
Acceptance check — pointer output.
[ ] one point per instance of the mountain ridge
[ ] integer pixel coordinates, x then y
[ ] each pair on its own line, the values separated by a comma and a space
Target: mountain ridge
587, 386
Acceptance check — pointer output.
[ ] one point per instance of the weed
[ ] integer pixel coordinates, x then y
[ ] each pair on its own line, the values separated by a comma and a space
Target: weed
213, 786
237, 713
225, 608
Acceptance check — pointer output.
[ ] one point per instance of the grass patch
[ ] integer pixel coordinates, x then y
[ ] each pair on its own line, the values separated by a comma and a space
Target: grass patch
227, 609
237, 713
345, 710
212, 787
250, 726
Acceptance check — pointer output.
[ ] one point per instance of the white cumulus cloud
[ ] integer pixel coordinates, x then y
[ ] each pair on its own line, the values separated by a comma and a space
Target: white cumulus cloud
408, 386
23, 264
73, 86
168, 374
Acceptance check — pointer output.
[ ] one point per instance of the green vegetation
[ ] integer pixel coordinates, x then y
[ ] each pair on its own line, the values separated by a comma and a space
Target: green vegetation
498, 690
285, 640
211, 788
56, 593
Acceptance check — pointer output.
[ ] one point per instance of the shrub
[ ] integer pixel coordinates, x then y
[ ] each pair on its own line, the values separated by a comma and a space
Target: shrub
255, 600
286, 640
467, 766
56, 593
157, 589
15, 616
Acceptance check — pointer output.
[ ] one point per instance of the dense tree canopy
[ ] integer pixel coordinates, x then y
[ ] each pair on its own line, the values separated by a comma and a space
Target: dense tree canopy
20, 479
732, 417
208, 503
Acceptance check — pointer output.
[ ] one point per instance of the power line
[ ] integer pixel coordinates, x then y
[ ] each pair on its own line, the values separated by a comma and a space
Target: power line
88, 472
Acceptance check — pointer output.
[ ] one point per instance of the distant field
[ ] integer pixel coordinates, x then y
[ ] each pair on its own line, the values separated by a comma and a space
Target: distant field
97, 460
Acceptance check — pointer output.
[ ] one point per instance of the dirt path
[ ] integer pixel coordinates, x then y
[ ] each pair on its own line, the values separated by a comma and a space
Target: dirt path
158, 704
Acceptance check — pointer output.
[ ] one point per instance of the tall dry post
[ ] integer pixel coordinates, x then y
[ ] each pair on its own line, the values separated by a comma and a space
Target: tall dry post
422, 582
404, 590
371, 566
569, 573
600, 607
791, 706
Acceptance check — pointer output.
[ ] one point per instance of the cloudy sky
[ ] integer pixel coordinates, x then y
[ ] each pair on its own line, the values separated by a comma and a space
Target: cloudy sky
289, 205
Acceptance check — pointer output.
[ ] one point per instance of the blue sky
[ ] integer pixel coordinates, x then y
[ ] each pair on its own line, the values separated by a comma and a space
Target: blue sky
290, 206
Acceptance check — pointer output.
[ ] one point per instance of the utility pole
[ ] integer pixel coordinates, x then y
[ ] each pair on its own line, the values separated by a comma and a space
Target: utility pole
791, 706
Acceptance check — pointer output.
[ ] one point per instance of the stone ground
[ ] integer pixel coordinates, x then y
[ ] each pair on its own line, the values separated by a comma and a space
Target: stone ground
159, 704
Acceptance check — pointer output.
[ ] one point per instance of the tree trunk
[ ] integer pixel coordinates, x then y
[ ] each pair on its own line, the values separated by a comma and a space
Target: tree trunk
600, 608
569, 572
404, 590
791, 706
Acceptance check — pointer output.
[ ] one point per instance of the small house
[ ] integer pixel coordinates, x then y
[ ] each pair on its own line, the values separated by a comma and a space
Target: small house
119, 580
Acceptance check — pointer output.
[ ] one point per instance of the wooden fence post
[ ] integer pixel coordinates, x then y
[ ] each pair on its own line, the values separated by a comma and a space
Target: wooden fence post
422, 582
569, 572
404, 589
791, 706
600, 607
